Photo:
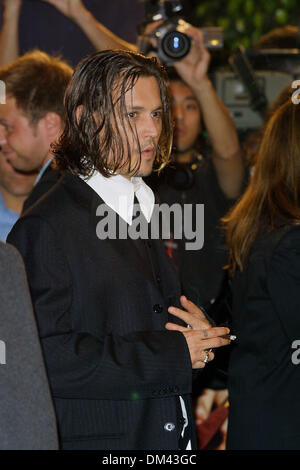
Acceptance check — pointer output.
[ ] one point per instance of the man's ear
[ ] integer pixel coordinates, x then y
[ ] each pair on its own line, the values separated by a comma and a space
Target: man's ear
52, 125
79, 113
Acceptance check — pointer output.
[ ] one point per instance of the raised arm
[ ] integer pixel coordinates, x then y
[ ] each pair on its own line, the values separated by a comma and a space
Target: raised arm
101, 37
9, 35
227, 157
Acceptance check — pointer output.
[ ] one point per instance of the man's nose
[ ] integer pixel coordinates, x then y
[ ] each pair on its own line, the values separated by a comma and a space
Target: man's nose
152, 127
177, 112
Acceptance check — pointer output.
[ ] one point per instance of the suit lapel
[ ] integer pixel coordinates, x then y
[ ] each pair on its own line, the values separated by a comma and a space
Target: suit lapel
127, 249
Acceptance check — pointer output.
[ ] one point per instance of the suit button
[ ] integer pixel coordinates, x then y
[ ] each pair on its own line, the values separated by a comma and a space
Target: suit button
169, 426
157, 308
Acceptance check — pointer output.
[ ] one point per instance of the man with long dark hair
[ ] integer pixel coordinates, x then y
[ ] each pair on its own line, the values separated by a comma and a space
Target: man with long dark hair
120, 377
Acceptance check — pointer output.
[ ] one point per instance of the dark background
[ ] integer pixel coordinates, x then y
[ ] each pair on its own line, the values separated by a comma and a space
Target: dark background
42, 26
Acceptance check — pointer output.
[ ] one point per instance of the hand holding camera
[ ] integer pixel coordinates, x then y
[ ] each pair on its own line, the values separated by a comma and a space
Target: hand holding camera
166, 32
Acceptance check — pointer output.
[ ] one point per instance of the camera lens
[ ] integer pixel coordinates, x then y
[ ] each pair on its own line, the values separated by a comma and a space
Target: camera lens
176, 45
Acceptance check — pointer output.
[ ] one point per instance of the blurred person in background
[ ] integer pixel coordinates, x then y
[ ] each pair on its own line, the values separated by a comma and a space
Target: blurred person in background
31, 119
27, 419
263, 235
15, 187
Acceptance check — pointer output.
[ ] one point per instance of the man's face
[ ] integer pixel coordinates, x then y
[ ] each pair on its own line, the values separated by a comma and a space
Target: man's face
186, 115
23, 145
144, 111
14, 183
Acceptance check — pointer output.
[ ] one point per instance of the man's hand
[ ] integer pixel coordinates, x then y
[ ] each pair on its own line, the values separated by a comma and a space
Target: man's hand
199, 335
193, 68
70, 8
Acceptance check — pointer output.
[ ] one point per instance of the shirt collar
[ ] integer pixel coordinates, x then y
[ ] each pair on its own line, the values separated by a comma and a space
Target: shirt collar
118, 193
43, 169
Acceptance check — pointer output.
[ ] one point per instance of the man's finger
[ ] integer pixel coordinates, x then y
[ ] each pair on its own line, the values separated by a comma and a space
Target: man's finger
206, 335
195, 320
175, 327
191, 307
213, 343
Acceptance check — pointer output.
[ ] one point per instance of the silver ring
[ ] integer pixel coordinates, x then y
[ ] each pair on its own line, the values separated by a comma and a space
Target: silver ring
206, 358
189, 326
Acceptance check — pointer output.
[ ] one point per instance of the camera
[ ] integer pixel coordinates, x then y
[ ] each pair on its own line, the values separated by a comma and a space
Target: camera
172, 44
257, 78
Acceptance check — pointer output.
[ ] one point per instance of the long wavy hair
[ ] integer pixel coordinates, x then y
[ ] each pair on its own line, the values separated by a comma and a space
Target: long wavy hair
272, 197
97, 88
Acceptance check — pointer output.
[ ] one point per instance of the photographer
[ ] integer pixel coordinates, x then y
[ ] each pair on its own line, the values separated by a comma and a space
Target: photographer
216, 181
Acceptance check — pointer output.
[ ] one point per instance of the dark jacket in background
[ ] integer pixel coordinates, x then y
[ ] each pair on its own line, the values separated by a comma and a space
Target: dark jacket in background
27, 419
264, 383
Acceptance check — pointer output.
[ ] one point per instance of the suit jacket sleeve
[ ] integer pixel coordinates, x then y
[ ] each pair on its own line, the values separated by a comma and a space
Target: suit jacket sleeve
27, 419
81, 365
284, 283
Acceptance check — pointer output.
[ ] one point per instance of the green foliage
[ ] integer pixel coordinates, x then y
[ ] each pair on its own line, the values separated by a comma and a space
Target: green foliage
244, 21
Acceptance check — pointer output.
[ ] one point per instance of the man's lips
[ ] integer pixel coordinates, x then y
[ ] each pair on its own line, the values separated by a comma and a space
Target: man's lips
149, 152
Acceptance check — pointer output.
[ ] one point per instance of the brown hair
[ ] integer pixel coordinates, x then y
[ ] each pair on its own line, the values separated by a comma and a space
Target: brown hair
100, 82
272, 197
38, 82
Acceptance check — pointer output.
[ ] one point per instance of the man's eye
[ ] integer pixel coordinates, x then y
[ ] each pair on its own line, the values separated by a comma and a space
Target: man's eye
157, 114
6, 128
191, 107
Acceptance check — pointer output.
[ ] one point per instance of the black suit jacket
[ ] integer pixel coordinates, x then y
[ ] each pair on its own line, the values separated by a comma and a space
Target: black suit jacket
49, 178
264, 383
115, 372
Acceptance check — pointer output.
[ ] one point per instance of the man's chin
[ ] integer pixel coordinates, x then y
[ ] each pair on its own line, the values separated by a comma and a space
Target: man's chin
25, 172
144, 173
22, 171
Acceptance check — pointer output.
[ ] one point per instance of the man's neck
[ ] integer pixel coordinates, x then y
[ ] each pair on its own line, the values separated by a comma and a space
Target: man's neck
14, 203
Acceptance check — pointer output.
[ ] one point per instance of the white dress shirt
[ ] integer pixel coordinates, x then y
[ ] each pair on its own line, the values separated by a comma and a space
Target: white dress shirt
118, 193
